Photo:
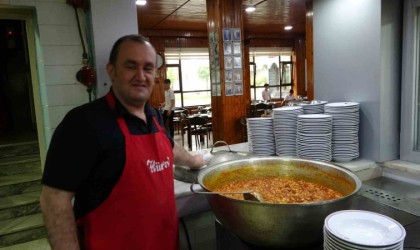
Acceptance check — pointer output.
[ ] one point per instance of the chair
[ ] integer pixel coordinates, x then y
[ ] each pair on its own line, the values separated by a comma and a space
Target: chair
177, 117
199, 129
183, 125
242, 121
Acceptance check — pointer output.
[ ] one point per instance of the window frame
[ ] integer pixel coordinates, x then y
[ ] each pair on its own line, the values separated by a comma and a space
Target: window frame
280, 85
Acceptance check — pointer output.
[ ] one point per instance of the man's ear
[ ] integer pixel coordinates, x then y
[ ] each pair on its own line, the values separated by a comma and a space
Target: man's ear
110, 70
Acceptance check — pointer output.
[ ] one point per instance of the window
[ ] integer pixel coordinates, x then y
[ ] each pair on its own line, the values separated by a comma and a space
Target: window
270, 66
188, 70
410, 114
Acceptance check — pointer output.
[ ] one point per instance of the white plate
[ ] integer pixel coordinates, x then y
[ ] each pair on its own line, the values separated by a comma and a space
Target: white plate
336, 244
341, 104
365, 228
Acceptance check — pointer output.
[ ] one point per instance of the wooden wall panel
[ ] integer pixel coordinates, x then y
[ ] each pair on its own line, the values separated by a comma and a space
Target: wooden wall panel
271, 42
310, 49
299, 62
233, 107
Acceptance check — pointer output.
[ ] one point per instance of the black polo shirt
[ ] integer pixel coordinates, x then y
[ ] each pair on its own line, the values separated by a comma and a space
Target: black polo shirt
86, 154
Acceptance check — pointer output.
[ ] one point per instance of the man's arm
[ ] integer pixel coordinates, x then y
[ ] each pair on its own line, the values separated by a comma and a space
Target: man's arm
172, 106
183, 158
59, 219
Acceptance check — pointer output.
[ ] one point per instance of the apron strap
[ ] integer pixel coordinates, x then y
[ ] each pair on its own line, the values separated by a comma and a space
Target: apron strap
121, 121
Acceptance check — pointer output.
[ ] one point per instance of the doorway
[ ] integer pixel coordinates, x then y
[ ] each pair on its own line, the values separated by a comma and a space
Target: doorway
17, 109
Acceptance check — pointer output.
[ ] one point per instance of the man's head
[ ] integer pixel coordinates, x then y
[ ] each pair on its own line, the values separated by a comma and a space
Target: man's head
291, 91
266, 86
167, 84
131, 68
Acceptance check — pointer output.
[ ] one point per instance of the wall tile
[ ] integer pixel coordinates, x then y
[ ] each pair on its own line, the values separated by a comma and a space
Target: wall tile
23, 2
57, 114
55, 13
62, 55
59, 35
65, 95
58, 75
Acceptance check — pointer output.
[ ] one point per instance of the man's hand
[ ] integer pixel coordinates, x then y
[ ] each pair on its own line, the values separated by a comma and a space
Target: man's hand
183, 158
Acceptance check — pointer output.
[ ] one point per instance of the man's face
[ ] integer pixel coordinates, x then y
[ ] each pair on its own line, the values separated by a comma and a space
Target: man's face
133, 74
167, 86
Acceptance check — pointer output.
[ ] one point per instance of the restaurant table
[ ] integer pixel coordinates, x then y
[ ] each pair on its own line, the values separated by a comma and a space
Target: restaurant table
261, 107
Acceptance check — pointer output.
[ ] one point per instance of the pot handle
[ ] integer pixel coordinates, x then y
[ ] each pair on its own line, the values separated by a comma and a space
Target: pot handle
192, 187
199, 192
221, 142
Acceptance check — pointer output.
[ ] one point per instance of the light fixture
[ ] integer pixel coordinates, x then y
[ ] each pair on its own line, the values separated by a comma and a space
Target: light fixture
141, 2
288, 27
250, 9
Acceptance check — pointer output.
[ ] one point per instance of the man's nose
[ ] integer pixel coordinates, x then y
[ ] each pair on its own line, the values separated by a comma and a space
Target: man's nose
140, 74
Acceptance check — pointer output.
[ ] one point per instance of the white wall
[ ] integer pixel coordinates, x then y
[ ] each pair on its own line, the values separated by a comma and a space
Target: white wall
60, 50
348, 50
111, 19
59, 58
390, 94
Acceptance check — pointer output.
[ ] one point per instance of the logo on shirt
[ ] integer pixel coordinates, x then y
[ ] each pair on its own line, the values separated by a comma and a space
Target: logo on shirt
156, 166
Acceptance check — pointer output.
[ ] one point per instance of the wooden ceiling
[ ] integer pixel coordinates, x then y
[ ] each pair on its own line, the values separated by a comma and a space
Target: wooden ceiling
270, 16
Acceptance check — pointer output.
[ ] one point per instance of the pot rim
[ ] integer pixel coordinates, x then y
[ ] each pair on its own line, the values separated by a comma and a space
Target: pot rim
354, 177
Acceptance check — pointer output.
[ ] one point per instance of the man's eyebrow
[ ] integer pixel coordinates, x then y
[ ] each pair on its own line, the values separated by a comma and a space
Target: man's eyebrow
129, 61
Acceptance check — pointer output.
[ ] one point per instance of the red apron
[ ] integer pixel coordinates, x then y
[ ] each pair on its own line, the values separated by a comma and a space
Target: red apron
140, 212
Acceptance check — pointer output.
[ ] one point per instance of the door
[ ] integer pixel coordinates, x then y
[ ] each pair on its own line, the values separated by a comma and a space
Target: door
17, 111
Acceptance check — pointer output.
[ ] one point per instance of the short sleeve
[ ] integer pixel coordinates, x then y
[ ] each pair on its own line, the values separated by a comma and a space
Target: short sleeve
71, 153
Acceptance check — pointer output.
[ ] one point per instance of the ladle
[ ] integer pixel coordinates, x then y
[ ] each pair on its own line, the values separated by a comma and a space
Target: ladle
248, 195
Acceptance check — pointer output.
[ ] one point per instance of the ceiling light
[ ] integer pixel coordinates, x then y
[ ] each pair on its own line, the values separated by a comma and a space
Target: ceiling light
141, 2
288, 27
250, 9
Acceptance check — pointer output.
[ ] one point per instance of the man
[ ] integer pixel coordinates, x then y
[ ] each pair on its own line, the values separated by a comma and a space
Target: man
168, 109
289, 97
266, 94
114, 157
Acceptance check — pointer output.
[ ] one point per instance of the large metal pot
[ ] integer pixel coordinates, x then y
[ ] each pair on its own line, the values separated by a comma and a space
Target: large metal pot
277, 225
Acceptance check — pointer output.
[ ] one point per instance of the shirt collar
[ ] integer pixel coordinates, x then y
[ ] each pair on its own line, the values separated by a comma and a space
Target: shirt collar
120, 110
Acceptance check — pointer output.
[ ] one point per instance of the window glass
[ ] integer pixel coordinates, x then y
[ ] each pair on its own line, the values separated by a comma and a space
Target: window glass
272, 67
172, 73
197, 98
196, 74
188, 69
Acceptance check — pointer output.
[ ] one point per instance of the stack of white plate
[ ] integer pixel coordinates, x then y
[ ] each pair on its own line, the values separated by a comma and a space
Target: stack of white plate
285, 128
345, 142
314, 135
260, 136
364, 230
314, 107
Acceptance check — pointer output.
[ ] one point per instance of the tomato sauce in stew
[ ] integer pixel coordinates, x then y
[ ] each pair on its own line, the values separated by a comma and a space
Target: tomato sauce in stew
281, 190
